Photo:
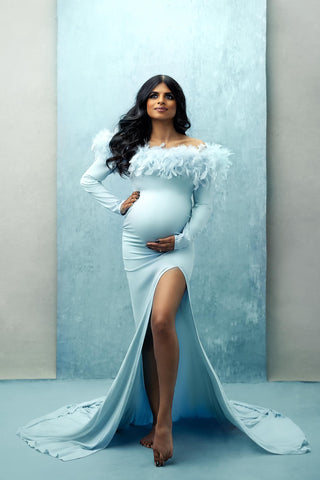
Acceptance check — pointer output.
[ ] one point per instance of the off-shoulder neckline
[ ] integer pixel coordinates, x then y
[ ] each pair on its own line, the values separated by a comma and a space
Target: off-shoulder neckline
183, 145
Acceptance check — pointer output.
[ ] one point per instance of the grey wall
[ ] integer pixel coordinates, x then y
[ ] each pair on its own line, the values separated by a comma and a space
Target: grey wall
293, 308
28, 229
28, 186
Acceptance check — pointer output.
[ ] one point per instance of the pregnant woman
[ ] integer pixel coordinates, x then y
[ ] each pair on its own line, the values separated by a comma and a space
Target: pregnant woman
165, 374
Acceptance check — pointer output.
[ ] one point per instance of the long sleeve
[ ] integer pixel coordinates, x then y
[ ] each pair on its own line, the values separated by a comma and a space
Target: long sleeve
201, 212
209, 186
98, 171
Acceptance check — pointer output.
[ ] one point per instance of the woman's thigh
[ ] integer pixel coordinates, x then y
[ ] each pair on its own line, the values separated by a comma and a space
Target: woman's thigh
168, 295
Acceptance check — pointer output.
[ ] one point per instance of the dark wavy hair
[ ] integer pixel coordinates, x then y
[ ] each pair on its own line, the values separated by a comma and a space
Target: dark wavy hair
134, 128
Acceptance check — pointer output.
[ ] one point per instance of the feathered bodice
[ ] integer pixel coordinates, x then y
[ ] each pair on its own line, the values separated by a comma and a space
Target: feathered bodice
203, 164
178, 187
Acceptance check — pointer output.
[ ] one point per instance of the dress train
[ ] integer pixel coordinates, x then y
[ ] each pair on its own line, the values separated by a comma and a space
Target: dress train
78, 430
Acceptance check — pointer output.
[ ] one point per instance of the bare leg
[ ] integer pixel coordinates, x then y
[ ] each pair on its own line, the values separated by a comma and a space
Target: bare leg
167, 298
151, 383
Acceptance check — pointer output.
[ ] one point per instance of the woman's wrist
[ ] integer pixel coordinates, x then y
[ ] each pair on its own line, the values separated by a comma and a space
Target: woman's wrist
180, 241
122, 211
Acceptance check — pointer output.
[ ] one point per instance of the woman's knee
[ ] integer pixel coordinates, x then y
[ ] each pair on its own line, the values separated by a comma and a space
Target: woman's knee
162, 323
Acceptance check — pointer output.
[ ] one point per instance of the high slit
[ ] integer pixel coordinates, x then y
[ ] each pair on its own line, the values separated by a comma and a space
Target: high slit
174, 190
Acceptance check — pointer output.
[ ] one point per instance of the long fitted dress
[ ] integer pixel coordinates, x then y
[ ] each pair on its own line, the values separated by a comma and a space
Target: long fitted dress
177, 193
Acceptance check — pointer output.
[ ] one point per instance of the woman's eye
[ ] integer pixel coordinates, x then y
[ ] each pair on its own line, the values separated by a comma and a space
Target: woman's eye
168, 95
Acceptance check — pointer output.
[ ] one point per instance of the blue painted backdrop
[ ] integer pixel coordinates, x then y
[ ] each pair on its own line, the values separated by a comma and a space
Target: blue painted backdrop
216, 51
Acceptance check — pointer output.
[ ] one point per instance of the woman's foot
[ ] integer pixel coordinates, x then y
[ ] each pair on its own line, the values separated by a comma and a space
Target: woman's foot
162, 445
147, 441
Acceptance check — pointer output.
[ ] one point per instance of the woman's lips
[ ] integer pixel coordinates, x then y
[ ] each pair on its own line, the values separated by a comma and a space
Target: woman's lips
161, 109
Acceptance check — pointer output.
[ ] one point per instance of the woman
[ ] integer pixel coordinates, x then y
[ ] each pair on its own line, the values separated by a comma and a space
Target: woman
174, 179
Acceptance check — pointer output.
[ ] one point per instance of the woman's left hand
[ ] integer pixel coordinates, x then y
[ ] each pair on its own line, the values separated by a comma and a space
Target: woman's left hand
162, 245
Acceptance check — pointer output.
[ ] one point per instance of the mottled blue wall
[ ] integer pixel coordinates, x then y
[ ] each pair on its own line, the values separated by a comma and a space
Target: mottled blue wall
216, 51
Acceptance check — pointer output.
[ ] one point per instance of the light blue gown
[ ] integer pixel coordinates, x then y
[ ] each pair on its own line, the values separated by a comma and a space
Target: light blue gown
178, 187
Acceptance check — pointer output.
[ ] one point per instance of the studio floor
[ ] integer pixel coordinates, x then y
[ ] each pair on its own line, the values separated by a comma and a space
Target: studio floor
202, 451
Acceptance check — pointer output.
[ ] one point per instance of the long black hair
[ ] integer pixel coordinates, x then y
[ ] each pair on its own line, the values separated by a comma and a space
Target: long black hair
134, 128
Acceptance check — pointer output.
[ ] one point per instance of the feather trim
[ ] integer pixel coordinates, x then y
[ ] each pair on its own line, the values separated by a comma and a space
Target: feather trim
100, 143
203, 163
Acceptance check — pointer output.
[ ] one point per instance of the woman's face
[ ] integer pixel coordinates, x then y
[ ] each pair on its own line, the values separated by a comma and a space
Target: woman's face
161, 103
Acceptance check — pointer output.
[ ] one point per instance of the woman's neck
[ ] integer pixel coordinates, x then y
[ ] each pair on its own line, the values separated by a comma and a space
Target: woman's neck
164, 132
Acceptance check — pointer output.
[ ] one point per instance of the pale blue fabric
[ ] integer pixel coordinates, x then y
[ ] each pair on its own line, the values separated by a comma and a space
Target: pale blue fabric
178, 189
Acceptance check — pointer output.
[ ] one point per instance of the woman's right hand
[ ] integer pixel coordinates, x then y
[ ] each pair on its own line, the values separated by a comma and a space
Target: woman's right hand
130, 201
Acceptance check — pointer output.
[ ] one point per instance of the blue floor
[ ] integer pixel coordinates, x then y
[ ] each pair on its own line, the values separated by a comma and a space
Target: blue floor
201, 451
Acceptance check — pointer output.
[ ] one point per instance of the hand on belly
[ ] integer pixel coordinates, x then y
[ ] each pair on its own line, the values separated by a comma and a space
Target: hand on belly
162, 244
129, 202
157, 216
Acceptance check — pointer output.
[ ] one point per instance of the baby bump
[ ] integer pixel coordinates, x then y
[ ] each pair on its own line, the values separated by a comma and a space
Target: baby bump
157, 214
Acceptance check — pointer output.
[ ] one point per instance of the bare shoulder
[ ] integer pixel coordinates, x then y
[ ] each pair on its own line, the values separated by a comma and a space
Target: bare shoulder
195, 141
